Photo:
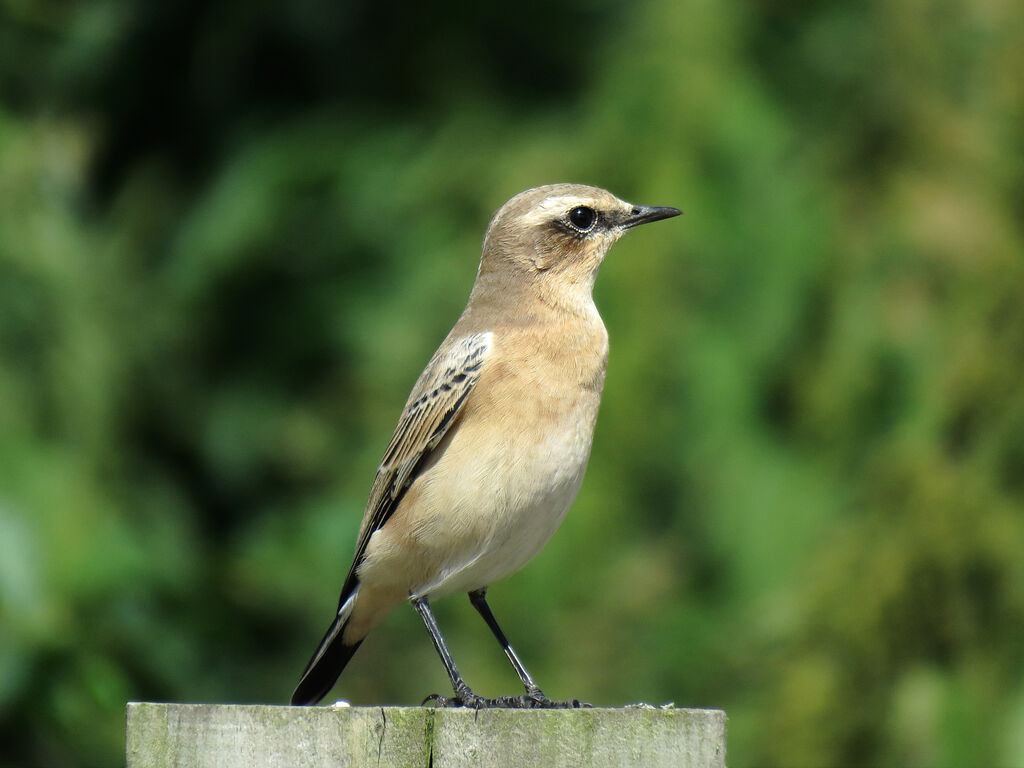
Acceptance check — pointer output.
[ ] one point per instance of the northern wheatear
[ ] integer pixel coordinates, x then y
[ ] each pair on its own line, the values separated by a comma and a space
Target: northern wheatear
491, 447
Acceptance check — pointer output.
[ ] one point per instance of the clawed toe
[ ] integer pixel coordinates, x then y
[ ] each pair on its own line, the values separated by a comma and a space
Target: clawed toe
543, 702
470, 700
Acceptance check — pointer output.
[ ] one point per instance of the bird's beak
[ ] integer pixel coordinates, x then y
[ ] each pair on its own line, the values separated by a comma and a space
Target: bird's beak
642, 214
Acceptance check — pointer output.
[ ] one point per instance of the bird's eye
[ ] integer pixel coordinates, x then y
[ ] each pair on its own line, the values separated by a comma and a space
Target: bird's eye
582, 218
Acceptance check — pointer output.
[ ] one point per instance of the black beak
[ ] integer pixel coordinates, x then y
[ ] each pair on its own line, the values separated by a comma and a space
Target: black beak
642, 214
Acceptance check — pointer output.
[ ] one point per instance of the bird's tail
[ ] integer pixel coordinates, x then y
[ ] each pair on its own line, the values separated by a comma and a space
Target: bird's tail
329, 660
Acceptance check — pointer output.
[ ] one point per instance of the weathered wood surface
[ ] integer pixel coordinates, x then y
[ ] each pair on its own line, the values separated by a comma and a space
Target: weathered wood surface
229, 736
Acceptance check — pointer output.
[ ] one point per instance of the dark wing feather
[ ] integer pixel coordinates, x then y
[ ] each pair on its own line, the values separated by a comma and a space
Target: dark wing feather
432, 407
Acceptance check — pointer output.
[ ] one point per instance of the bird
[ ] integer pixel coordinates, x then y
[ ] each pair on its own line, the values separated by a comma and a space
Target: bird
491, 447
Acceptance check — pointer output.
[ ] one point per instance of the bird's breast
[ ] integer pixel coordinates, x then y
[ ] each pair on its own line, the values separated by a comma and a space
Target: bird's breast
501, 480
541, 392
515, 460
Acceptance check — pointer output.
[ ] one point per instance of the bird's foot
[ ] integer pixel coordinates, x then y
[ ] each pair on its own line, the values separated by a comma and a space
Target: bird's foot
534, 698
530, 700
463, 697
472, 701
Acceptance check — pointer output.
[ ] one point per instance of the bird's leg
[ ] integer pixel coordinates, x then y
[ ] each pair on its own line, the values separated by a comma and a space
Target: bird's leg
534, 695
477, 598
464, 696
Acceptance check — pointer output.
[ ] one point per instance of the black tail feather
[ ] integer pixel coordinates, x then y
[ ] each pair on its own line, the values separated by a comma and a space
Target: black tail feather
324, 668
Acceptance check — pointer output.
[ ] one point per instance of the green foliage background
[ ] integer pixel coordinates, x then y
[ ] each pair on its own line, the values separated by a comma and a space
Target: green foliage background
232, 233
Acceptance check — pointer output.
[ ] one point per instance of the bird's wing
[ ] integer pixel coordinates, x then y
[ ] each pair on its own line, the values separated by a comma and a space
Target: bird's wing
432, 408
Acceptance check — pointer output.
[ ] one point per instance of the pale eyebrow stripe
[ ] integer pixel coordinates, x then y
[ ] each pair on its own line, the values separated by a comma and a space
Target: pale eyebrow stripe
549, 206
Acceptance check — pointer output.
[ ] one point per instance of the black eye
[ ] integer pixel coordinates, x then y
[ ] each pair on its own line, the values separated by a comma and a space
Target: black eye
582, 218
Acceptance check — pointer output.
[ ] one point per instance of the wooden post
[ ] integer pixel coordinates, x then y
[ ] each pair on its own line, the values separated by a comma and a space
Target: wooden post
228, 736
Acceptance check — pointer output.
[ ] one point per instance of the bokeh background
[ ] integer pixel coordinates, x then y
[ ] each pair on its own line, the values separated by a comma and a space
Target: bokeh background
231, 234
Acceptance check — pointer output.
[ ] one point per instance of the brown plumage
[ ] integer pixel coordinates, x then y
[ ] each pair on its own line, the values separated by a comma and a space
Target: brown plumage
491, 447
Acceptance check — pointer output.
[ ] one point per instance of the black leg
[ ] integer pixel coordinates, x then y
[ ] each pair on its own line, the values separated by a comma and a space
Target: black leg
463, 694
534, 695
479, 602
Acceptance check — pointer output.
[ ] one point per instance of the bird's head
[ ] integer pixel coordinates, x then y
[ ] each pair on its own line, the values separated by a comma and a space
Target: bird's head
560, 232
